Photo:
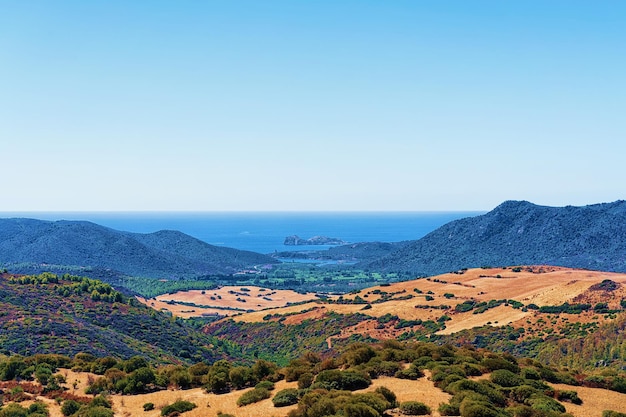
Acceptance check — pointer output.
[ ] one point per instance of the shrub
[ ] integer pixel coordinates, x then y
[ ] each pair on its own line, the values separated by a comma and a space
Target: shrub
506, 378
253, 396
100, 401
522, 393
268, 385
477, 409
543, 403
38, 408
14, 410
359, 410
305, 380
288, 396
570, 396
521, 411
500, 363
98, 411
69, 407
148, 406
388, 395
412, 372
341, 380
414, 408
179, 406
449, 409
530, 373
611, 413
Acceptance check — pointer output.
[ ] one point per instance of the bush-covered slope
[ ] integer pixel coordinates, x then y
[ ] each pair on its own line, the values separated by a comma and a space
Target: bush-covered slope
520, 233
68, 315
166, 254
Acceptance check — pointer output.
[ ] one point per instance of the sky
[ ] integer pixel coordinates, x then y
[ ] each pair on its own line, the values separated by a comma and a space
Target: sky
324, 105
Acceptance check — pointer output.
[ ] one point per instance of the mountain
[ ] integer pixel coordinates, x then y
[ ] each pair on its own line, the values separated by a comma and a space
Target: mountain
163, 254
519, 233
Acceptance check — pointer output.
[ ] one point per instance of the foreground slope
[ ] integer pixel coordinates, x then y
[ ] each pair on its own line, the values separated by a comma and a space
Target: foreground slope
519, 233
363, 379
26, 244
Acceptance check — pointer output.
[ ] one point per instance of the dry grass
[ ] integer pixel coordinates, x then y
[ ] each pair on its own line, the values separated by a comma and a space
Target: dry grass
222, 300
595, 400
421, 390
542, 285
208, 404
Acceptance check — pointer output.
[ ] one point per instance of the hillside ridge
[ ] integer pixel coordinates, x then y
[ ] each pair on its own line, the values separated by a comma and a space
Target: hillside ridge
25, 244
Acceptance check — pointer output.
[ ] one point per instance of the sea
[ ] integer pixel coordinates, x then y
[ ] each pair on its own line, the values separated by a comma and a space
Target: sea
265, 232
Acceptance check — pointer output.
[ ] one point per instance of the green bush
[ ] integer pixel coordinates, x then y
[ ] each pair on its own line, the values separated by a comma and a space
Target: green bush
14, 410
570, 396
449, 409
521, 411
388, 395
305, 380
342, 380
412, 372
268, 385
477, 409
543, 403
38, 408
522, 393
253, 396
148, 406
530, 373
179, 406
69, 407
611, 413
506, 378
414, 408
97, 411
500, 363
285, 397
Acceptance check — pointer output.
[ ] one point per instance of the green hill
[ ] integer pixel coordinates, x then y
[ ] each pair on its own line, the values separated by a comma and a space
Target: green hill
67, 315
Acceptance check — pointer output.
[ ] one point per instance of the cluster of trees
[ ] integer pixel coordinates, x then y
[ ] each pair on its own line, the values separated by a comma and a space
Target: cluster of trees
326, 385
72, 284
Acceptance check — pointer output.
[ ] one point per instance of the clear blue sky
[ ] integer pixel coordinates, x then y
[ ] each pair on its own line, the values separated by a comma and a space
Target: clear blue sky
310, 105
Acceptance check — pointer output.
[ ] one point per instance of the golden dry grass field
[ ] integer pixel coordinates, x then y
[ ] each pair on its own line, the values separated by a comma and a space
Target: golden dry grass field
540, 285
224, 301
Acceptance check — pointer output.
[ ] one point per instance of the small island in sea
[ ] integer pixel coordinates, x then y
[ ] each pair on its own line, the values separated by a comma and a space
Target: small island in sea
295, 240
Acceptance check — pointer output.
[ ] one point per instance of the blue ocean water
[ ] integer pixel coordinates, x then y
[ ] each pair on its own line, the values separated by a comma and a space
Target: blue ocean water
265, 232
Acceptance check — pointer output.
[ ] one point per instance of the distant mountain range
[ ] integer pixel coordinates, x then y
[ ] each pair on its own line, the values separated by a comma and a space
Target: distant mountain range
519, 233
514, 233
163, 254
